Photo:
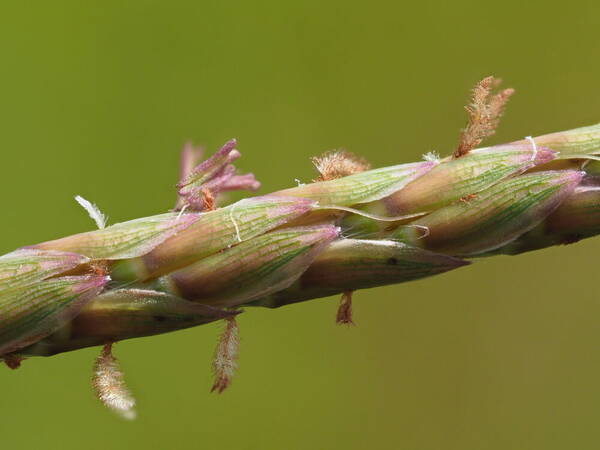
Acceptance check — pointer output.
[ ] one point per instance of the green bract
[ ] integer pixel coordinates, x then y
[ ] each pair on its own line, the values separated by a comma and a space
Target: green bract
470, 174
494, 217
32, 312
352, 264
252, 269
26, 266
211, 232
123, 240
122, 314
362, 187
581, 142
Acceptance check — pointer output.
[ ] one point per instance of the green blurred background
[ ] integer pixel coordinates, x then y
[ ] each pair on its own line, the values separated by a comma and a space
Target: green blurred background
97, 99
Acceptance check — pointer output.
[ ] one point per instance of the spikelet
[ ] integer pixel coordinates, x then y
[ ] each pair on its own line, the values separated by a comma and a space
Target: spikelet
109, 385
226, 354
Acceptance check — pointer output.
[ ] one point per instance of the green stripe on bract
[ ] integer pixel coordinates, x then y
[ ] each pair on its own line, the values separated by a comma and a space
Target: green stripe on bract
576, 218
352, 264
578, 143
495, 217
578, 215
470, 174
252, 269
123, 240
212, 232
123, 314
32, 313
26, 266
362, 187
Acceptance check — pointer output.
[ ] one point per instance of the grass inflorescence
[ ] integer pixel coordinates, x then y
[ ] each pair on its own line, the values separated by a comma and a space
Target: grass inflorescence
352, 228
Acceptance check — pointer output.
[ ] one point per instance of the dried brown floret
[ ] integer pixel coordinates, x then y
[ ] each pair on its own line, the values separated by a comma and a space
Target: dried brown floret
109, 384
226, 355
344, 313
339, 163
13, 361
209, 200
485, 110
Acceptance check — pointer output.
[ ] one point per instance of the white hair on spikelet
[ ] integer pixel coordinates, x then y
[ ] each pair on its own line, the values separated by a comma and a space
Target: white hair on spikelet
92, 210
432, 156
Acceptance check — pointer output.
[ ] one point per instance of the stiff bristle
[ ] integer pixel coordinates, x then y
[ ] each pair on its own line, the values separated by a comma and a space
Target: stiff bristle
484, 112
109, 385
338, 164
226, 355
